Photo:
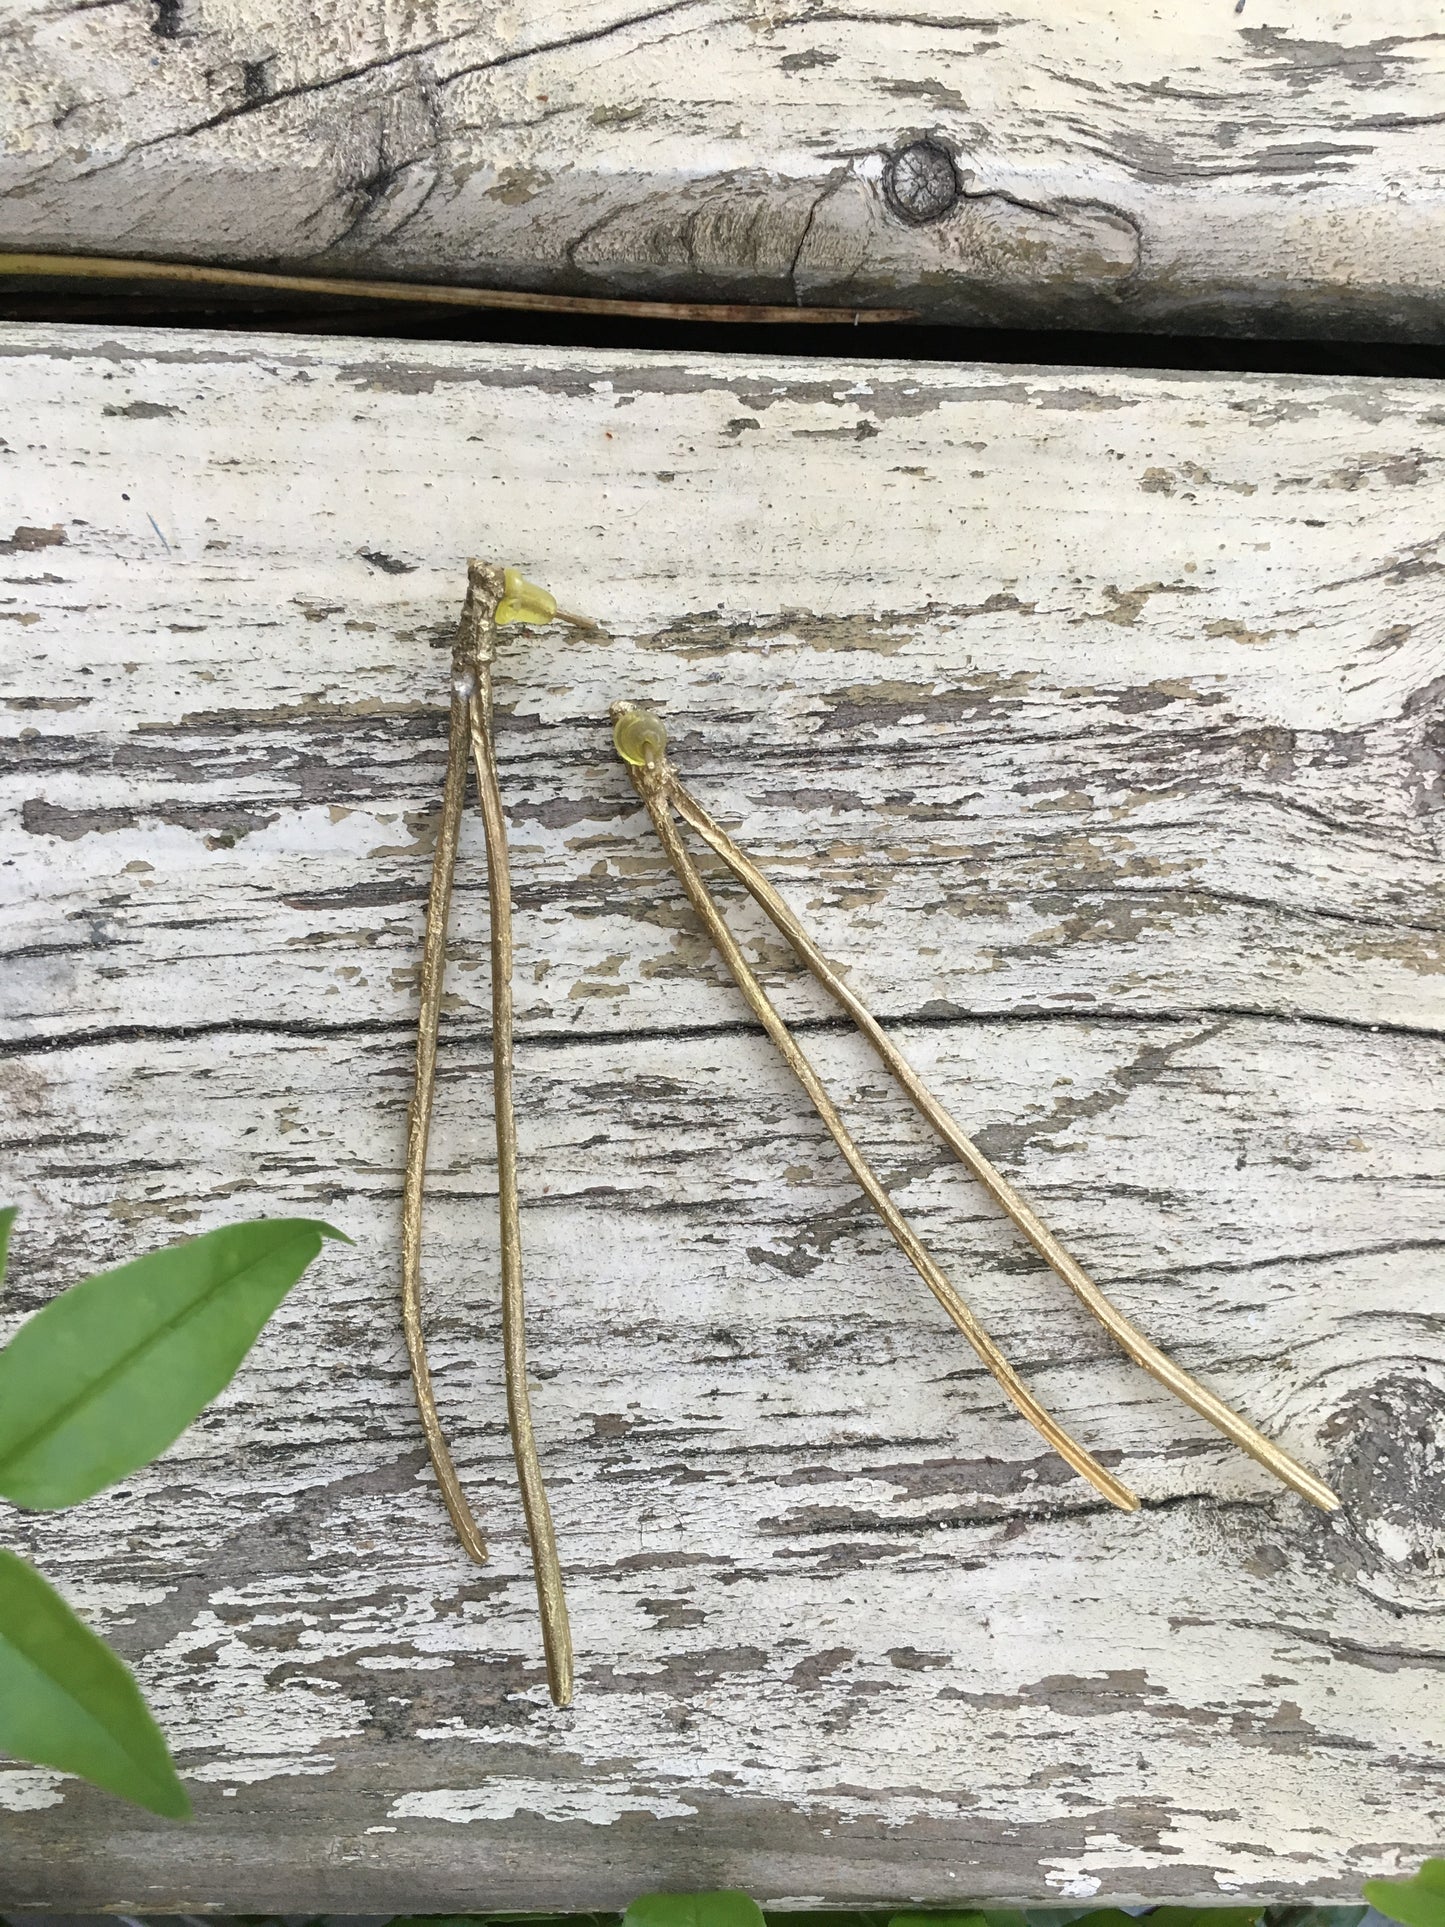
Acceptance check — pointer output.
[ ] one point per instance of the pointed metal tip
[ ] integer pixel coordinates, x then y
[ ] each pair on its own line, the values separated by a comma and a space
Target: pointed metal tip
584, 623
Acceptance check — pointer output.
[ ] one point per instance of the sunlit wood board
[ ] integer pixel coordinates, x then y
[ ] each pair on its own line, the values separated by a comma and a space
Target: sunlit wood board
1094, 722
1273, 168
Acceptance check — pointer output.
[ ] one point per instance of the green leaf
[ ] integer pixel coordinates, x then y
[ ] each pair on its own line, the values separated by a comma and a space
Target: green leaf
1055, 1916
67, 1701
108, 1374
974, 1917
1110, 1917
7, 1218
727, 1908
499, 1919
1198, 1917
1418, 1902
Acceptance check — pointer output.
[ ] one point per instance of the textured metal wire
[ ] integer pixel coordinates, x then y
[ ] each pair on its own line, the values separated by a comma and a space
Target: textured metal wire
663, 793
470, 737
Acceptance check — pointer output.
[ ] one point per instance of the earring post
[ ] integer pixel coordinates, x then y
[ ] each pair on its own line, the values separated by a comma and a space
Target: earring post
470, 737
433, 965
1157, 1363
656, 785
551, 1599
651, 767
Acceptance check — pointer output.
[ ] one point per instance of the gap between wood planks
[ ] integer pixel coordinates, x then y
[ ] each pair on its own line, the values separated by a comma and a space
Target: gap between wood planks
194, 300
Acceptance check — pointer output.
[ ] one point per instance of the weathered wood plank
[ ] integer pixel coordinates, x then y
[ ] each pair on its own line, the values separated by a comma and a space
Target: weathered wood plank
1276, 171
1095, 719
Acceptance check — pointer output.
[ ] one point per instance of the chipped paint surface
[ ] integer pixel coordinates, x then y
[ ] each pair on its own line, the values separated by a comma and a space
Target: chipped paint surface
23, 1791
599, 1803
1278, 171
1123, 803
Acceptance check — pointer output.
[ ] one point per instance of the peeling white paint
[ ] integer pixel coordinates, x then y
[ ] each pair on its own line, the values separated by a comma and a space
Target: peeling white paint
600, 1804
249, 1772
29, 1790
1072, 1885
1395, 1544
378, 1663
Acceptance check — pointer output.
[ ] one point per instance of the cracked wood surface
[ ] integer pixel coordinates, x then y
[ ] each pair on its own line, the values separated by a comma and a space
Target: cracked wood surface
1275, 171
1095, 722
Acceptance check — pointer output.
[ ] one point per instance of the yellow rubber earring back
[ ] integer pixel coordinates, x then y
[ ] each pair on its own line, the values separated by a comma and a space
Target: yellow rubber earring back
640, 738
523, 601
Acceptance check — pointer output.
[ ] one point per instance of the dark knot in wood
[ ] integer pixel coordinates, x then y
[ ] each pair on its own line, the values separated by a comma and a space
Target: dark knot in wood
921, 182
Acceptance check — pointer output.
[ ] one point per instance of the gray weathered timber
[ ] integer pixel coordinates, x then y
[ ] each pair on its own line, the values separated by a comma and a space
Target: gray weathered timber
1272, 171
1094, 720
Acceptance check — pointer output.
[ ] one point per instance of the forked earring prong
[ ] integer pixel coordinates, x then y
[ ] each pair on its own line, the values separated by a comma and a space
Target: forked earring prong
494, 596
641, 742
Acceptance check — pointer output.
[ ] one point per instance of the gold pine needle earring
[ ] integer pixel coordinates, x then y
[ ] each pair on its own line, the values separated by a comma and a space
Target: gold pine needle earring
641, 742
494, 597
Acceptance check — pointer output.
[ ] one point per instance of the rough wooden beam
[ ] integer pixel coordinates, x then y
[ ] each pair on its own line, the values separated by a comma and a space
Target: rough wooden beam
1271, 171
1094, 720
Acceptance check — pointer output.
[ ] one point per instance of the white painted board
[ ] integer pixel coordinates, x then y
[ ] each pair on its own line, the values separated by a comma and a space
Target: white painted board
1275, 170
1094, 722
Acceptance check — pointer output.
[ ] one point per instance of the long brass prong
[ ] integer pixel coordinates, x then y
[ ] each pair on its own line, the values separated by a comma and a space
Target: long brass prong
471, 736
654, 784
433, 966
1157, 1363
551, 1599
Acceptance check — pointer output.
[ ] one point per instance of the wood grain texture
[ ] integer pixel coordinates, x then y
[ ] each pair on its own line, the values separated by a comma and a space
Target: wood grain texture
1094, 721
1275, 171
